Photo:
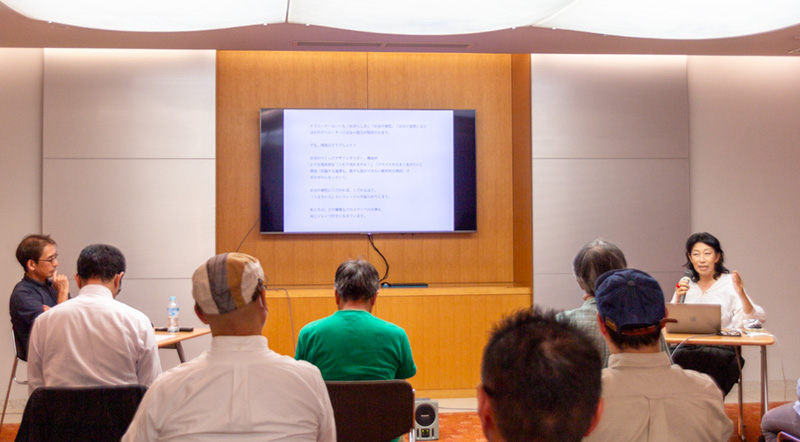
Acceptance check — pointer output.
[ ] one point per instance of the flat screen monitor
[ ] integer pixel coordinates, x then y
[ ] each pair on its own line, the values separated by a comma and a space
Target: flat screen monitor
367, 171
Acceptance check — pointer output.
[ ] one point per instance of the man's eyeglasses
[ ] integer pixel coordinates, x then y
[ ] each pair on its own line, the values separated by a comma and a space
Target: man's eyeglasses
50, 260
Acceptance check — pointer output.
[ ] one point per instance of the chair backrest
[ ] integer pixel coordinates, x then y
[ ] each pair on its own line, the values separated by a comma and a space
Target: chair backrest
100, 413
17, 348
22, 353
786, 437
371, 411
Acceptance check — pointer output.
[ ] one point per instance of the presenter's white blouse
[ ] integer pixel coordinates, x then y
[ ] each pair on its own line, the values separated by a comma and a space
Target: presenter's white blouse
723, 293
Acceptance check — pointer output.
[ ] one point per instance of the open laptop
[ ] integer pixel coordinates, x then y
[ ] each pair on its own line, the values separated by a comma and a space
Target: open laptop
696, 319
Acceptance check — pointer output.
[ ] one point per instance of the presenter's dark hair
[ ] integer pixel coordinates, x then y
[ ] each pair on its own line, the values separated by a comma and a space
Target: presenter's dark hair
100, 261
595, 258
31, 248
356, 279
542, 376
709, 240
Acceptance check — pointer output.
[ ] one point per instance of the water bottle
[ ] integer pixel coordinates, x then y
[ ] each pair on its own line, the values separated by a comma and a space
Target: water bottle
173, 311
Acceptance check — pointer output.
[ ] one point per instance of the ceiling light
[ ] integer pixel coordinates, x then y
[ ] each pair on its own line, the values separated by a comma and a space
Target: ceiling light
153, 15
662, 19
676, 19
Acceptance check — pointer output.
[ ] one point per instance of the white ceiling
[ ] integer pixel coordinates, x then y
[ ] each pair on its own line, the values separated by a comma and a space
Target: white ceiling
18, 31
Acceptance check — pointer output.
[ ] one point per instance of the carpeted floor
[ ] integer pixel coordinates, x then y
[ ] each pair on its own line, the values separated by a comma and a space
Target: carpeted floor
465, 427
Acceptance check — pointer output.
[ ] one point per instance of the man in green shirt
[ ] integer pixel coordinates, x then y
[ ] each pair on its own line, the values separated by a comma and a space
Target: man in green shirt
352, 344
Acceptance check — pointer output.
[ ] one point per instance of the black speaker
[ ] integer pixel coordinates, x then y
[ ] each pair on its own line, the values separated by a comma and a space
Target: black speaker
426, 419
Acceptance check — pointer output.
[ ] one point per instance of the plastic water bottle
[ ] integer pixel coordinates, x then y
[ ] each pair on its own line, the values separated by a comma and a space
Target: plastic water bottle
173, 312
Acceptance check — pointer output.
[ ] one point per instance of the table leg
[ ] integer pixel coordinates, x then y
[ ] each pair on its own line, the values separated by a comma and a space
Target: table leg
764, 381
741, 405
181, 356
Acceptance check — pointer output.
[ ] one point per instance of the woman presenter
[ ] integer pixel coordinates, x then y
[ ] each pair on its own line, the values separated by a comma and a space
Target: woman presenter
712, 283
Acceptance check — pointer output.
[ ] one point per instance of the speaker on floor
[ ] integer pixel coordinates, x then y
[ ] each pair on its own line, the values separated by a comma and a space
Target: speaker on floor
426, 419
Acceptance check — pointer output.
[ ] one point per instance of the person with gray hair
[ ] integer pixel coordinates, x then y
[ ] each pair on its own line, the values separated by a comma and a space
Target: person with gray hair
595, 258
352, 344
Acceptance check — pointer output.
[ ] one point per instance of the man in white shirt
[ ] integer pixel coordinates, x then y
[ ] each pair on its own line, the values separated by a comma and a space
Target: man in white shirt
645, 396
239, 390
93, 339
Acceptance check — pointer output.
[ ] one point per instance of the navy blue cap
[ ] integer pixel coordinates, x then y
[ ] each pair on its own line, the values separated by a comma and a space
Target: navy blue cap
630, 301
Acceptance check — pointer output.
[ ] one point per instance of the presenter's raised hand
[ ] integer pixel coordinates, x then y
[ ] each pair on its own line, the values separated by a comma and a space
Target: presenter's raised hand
738, 285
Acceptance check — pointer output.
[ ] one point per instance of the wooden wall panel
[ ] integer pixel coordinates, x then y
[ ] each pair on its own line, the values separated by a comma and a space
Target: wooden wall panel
473, 274
447, 328
523, 168
247, 81
457, 81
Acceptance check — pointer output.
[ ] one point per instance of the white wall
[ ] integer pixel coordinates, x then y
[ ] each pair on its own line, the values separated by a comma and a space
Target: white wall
115, 146
610, 160
20, 181
745, 153
743, 138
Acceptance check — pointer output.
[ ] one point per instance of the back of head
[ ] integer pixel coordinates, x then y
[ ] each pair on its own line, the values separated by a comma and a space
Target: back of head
594, 259
31, 247
631, 305
100, 261
356, 280
543, 378
226, 282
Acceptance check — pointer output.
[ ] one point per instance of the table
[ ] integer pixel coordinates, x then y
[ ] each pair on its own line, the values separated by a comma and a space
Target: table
174, 340
761, 339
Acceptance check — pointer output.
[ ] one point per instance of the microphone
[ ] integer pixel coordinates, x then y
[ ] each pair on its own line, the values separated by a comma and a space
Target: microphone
687, 276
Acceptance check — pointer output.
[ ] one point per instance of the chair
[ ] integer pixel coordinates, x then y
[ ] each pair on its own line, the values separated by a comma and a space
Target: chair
101, 413
13, 376
372, 411
786, 437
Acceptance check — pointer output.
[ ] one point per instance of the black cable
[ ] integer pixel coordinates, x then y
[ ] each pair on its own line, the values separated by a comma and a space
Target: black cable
248, 233
372, 243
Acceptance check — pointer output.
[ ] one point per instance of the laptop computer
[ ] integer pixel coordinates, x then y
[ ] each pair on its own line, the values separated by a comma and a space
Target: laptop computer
696, 319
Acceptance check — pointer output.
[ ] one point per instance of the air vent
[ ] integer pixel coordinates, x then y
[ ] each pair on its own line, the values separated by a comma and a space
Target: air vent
363, 44
339, 44
429, 45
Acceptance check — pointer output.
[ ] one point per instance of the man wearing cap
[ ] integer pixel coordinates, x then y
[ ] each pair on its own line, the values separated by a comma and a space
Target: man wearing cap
646, 397
239, 389
93, 339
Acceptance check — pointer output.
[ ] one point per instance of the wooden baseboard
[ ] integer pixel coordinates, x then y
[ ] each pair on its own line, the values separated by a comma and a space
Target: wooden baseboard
446, 394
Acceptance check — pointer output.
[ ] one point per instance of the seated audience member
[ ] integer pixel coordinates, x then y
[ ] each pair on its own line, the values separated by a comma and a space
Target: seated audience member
93, 339
40, 288
645, 396
784, 418
594, 259
540, 381
352, 344
239, 389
